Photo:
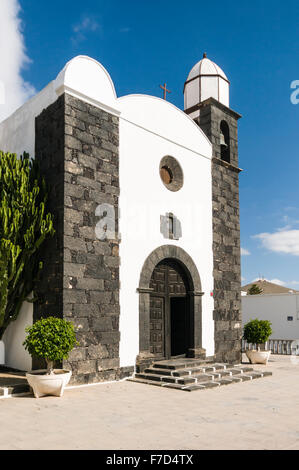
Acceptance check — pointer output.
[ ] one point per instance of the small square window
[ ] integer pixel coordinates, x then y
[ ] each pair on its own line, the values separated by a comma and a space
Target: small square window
290, 318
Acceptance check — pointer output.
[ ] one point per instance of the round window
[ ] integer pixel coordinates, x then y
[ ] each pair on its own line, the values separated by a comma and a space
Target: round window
171, 173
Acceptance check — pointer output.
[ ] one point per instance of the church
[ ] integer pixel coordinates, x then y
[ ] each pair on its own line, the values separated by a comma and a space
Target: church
145, 260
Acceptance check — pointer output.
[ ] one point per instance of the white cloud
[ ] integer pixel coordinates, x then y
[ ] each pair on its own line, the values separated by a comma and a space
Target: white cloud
245, 252
14, 91
277, 281
87, 25
283, 241
285, 228
274, 281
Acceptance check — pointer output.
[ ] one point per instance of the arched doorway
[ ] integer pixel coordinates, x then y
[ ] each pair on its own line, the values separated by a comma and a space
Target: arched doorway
170, 312
184, 280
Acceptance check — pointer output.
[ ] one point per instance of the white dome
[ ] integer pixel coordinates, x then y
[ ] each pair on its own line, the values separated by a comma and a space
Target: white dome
206, 67
206, 80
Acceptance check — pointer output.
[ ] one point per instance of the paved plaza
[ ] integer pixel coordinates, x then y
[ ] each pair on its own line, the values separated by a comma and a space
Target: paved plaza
261, 414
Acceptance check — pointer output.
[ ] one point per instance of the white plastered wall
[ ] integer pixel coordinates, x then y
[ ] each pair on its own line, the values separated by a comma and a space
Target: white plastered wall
191, 96
224, 92
275, 308
15, 354
202, 88
144, 199
17, 133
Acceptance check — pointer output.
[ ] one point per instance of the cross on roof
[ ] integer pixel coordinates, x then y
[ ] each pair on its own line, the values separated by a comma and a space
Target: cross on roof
165, 90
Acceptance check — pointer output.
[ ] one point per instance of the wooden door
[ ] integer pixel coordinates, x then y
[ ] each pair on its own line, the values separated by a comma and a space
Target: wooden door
168, 281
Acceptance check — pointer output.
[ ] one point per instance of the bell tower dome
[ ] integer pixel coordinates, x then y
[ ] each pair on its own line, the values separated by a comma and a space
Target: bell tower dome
205, 80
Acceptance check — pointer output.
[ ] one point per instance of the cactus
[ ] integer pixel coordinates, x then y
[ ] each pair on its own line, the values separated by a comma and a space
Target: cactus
24, 226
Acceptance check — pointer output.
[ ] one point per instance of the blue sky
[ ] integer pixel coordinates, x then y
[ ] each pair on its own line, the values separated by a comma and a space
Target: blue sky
148, 42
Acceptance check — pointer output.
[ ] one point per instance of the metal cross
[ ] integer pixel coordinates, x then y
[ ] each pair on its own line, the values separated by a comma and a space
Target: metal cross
165, 90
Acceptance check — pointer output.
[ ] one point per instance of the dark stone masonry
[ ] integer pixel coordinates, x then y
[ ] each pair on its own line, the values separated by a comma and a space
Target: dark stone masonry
226, 231
77, 145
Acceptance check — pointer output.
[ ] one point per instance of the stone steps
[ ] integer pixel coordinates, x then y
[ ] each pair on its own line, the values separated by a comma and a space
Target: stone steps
174, 364
190, 375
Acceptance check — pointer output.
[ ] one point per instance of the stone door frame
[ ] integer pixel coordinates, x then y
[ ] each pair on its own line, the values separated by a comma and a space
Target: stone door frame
181, 256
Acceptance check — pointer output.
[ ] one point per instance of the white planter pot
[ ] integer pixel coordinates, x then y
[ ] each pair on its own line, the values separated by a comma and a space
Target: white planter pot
48, 384
2, 353
258, 357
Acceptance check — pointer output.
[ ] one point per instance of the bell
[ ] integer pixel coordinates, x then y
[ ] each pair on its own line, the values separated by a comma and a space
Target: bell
222, 140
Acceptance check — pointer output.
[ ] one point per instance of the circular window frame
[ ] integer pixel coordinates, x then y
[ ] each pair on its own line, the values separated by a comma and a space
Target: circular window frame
175, 169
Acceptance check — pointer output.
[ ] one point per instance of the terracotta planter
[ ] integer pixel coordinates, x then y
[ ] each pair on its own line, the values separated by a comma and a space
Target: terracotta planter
44, 384
258, 357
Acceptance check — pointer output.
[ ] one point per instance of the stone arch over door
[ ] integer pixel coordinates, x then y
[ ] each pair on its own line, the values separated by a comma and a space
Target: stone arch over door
181, 256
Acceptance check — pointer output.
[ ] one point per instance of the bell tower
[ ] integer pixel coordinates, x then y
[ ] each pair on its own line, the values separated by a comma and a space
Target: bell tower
206, 100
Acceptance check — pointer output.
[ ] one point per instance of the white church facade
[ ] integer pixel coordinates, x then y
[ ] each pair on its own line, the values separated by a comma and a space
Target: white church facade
146, 256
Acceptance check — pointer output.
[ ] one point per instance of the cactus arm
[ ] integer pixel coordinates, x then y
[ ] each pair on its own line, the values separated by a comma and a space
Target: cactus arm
24, 227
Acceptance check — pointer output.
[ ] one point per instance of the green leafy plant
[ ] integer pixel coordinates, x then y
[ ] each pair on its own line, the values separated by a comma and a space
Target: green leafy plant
51, 339
257, 331
254, 290
24, 226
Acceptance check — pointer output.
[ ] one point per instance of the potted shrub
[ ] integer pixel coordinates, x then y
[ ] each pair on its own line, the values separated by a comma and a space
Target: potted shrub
257, 332
50, 339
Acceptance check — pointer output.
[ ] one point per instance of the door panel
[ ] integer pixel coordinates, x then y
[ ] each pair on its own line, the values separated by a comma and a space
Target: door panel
168, 329
176, 282
157, 326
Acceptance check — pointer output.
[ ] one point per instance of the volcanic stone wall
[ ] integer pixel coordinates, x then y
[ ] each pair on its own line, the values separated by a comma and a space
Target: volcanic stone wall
78, 147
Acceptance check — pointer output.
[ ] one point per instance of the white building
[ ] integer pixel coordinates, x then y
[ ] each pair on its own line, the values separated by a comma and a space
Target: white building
153, 289
282, 310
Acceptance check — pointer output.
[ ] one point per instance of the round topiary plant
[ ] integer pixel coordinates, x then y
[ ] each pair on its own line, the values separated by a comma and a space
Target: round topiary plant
51, 339
257, 332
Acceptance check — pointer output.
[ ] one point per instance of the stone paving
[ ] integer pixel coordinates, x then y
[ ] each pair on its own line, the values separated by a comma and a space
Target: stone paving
259, 414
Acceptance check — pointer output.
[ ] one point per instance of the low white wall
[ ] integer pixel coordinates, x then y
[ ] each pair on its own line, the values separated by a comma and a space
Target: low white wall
276, 308
15, 354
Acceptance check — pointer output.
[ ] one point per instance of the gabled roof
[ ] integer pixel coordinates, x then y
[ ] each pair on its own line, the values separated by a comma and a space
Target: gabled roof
268, 287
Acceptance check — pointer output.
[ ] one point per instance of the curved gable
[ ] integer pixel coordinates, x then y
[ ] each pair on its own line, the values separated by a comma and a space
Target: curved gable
88, 79
166, 120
